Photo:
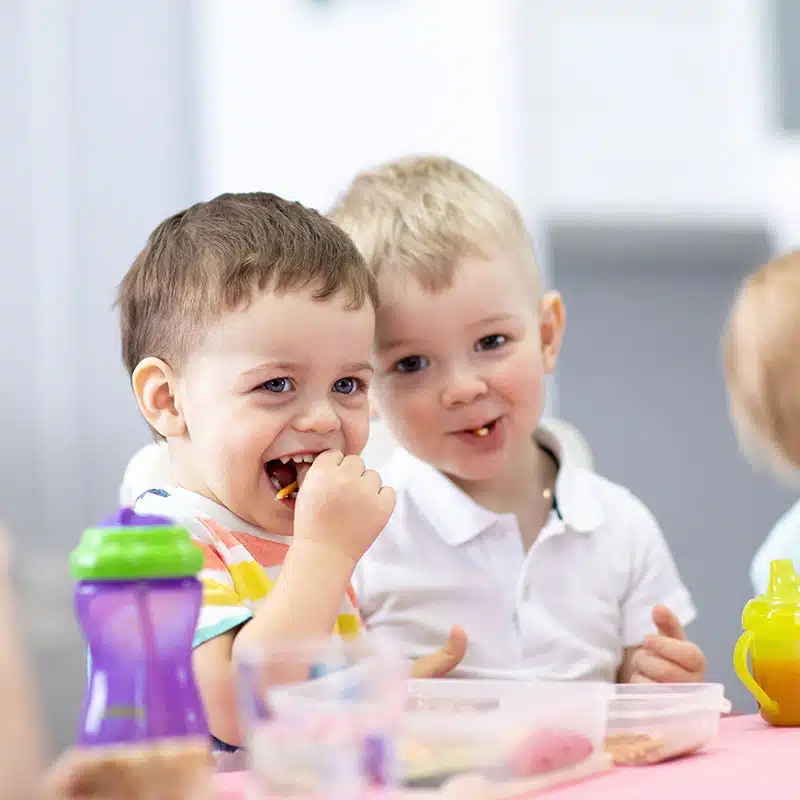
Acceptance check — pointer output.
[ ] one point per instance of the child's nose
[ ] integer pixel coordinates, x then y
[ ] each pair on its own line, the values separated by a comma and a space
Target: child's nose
463, 387
318, 418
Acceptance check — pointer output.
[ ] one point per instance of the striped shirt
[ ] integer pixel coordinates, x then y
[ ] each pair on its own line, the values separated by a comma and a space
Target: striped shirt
242, 562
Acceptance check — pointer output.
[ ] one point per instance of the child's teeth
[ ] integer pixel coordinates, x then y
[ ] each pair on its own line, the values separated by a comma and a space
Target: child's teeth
285, 459
482, 431
305, 458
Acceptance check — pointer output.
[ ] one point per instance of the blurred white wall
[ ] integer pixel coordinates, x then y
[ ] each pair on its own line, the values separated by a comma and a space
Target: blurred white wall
662, 108
574, 107
649, 108
299, 96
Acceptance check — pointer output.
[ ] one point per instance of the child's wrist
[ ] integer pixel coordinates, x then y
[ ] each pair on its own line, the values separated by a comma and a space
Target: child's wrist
322, 558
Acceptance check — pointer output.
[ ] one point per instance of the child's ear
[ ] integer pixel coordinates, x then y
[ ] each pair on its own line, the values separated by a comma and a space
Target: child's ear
154, 384
551, 329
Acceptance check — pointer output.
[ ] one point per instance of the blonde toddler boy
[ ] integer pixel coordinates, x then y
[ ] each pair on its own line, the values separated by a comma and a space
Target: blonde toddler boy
551, 570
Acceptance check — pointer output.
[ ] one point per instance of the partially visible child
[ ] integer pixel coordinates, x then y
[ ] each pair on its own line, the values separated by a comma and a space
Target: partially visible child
783, 541
552, 570
761, 347
21, 745
247, 325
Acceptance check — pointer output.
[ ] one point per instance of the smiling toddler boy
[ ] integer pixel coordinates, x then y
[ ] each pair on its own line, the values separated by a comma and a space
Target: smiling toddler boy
552, 571
247, 324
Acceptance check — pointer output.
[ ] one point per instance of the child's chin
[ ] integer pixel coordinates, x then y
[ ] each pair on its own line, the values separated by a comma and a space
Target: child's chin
475, 470
279, 520
272, 516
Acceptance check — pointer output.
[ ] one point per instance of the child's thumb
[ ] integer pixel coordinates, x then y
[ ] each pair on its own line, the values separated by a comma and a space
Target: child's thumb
442, 661
668, 624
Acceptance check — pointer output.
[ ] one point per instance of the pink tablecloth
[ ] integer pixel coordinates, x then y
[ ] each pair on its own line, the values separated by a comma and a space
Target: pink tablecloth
746, 761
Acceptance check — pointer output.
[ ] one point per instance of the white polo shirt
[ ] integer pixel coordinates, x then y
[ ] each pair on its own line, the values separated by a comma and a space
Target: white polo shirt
566, 609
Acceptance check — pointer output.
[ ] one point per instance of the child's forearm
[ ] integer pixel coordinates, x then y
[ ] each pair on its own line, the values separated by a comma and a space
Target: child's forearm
20, 741
305, 600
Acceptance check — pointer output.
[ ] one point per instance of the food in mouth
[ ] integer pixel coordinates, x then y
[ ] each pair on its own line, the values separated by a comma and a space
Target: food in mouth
283, 474
288, 491
484, 430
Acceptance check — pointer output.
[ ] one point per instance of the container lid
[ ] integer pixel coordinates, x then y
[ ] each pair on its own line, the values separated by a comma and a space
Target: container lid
131, 546
634, 702
780, 602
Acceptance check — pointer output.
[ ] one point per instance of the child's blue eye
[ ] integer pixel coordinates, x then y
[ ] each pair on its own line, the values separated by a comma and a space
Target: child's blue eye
412, 364
348, 385
491, 342
277, 385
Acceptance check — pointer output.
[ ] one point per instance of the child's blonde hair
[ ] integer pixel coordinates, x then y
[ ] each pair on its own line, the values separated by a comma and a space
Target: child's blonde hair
420, 215
761, 348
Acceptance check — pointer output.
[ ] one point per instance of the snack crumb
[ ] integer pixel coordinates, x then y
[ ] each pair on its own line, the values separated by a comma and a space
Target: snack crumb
632, 749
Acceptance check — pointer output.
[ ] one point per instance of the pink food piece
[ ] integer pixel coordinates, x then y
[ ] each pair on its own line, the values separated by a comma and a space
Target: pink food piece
549, 749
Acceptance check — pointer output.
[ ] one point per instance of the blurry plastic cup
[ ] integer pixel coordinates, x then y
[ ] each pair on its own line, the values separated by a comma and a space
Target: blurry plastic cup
321, 716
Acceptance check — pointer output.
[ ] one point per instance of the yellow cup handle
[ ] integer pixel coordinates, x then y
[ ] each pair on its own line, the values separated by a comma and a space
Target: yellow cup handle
742, 670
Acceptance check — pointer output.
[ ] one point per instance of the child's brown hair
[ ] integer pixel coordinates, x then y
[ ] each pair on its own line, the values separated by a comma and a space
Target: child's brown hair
761, 347
214, 256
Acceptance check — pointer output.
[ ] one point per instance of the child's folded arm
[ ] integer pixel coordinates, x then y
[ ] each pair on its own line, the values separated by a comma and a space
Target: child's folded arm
305, 601
214, 673
306, 598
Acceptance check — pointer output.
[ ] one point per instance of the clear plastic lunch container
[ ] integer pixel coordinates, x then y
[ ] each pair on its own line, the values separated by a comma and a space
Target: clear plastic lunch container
321, 717
649, 723
501, 729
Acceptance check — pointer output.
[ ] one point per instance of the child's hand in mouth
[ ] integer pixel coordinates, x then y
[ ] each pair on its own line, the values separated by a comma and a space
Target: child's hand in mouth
343, 505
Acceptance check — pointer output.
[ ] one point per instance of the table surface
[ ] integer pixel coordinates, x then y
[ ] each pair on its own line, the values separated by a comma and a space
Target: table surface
747, 760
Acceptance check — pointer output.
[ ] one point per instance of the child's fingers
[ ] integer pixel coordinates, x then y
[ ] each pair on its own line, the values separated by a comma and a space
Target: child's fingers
660, 670
63, 780
683, 653
332, 457
444, 660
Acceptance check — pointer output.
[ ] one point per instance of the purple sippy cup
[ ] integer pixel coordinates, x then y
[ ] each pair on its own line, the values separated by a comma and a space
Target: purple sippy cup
137, 599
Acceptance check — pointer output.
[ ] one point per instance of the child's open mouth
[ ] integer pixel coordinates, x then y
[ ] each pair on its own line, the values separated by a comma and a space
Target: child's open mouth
286, 474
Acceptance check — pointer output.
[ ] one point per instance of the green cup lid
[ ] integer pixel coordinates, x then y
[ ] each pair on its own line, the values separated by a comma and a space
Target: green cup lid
131, 546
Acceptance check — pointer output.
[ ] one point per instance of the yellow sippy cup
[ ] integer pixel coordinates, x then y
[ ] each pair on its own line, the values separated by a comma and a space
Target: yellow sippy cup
771, 635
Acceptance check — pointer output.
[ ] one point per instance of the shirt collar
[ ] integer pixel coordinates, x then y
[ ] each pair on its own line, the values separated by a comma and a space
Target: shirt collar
194, 505
576, 499
458, 519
